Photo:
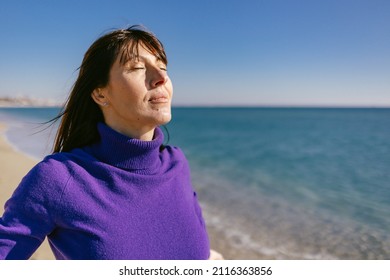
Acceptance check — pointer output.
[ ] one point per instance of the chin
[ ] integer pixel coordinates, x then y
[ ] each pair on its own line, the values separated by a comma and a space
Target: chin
165, 119
164, 116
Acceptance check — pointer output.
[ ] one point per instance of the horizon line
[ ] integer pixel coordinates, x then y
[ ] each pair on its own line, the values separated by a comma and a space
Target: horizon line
216, 106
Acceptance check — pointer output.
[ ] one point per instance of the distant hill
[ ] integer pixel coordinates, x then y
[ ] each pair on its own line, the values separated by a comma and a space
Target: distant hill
27, 102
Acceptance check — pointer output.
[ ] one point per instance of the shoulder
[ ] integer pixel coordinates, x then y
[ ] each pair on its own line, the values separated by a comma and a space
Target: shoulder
173, 156
53, 171
42, 187
52, 166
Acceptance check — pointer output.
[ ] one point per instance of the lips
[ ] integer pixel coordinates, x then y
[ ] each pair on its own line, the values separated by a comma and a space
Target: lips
159, 98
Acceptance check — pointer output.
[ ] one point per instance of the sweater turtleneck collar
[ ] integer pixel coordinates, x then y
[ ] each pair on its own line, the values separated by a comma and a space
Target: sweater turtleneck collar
127, 153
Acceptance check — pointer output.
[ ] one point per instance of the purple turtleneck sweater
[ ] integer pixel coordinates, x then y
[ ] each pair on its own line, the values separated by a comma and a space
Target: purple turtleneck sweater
121, 198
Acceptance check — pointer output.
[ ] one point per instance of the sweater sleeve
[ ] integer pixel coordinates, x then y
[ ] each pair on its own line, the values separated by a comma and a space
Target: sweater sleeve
28, 214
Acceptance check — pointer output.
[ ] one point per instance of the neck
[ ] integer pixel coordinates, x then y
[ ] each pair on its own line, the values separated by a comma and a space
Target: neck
144, 134
119, 150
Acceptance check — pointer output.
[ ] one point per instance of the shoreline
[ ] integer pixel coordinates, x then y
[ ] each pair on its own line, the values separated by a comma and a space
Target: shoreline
15, 148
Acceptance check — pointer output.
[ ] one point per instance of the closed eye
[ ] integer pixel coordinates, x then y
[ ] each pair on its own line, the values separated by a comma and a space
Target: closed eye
136, 69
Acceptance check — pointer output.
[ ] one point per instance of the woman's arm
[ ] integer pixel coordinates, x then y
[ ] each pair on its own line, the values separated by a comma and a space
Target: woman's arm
28, 215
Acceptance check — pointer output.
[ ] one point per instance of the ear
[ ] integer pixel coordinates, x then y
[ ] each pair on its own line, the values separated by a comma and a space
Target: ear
99, 97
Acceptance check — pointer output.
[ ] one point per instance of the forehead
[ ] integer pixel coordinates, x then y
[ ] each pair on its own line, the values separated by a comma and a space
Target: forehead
136, 50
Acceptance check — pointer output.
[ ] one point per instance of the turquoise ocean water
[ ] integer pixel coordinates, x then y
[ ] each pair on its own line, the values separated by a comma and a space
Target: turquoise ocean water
289, 183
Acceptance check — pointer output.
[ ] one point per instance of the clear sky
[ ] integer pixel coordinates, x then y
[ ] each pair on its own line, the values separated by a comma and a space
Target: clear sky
227, 52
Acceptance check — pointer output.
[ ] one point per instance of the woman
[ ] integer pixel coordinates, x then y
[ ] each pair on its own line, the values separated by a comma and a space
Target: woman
111, 189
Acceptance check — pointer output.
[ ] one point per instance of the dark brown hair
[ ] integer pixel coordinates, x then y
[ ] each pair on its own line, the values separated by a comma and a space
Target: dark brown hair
81, 114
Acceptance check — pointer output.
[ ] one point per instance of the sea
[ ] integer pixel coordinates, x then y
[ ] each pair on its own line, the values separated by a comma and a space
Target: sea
286, 183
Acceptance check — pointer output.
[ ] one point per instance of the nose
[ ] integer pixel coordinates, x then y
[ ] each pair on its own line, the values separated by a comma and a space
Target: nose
158, 77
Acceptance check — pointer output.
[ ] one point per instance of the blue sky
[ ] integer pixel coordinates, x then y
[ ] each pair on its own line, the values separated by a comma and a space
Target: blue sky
230, 52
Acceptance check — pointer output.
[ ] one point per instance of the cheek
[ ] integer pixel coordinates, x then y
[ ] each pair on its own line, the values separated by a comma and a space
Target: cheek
127, 93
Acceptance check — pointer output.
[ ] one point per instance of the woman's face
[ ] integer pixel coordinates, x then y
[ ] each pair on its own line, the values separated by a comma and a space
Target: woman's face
137, 97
